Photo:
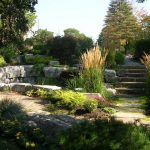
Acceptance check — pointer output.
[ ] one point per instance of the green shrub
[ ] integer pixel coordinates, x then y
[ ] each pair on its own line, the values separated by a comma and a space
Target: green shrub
119, 58
110, 59
47, 81
21, 135
69, 99
9, 53
38, 68
141, 47
38, 59
104, 135
90, 105
2, 61
10, 109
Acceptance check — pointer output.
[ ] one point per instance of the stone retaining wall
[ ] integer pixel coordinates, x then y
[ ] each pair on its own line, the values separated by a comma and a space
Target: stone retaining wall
24, 87
26, 73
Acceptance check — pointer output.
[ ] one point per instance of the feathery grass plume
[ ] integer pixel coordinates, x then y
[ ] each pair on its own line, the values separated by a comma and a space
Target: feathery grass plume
94, 58
146, 61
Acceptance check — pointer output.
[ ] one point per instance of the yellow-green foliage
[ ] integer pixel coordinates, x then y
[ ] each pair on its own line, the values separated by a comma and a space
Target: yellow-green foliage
2, 61
68, 99
90, 105
38, 59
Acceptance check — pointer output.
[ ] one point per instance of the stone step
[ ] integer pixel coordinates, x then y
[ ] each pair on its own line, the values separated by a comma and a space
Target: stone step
132, 66
133, 74
127, 70
131, 79
129, 96
134, 91
131, 84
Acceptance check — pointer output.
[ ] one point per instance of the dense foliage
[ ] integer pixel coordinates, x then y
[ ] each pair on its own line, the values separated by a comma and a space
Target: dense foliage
69, 100
68, 48
141, 47
105, 135
13, 22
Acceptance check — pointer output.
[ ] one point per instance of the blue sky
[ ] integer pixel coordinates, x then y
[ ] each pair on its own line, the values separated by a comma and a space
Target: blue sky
85, 15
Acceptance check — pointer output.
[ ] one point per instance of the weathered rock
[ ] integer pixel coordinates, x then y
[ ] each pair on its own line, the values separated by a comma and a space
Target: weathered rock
112, 91
52, 124
2, 75
4, 87
27, 71
53, 71
54, 62
28, 56
20, 87
12, 71
110, 75
47, 87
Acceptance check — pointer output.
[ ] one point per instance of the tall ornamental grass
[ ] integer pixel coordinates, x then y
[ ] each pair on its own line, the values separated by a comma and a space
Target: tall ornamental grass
91, 78
146, 61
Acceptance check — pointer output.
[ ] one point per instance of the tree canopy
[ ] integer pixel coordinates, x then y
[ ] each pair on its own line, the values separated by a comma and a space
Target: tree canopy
120, 25
13, 19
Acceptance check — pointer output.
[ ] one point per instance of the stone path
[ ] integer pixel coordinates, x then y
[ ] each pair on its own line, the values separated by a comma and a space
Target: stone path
49, 123
29, 104
131, 109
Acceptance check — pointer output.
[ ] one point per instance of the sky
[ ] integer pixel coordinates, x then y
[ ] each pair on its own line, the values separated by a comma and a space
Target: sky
87, 16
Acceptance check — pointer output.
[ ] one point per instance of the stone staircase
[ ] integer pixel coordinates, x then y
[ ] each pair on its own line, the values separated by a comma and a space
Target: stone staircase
131, 80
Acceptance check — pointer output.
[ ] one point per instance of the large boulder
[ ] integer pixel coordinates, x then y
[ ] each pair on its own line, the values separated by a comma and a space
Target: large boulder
20, 87
2, 75
110, 76
47, 87
53, 71
54, 62
52, 124
28, 71
12, 71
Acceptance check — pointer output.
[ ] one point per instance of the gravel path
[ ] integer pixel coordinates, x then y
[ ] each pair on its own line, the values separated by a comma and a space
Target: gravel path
29, 104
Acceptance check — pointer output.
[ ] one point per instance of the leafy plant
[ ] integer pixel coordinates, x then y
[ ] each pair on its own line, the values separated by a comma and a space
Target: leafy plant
119, 58
38, 59
9, 53
90, 105
2, 61
110, 59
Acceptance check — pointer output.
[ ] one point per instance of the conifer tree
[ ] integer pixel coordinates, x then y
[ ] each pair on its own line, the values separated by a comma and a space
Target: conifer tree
121, 25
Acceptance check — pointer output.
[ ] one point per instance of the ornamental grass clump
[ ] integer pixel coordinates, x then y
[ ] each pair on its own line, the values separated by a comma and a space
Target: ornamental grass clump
146, 61
92, 75
91, 78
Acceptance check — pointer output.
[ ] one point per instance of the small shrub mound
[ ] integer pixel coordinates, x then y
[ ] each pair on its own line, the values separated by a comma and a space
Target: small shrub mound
104, 135
10, 109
